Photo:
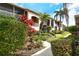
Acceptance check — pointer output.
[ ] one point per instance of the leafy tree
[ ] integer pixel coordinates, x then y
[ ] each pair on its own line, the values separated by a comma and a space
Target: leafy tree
44, 18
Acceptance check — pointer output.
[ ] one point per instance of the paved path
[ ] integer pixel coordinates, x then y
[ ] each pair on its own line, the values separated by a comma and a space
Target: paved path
46, 51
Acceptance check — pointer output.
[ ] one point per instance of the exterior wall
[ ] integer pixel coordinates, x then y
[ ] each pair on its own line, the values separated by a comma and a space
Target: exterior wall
4, 8
30, 14
77, 21
6, 11
37, 25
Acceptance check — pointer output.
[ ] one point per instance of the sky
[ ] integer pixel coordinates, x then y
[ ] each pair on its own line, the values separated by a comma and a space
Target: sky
49, 8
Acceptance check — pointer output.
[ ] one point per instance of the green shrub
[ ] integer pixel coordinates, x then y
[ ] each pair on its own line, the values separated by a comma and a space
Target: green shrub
58, 32
45, 36
12, 35
38, 40
52, 33
61, 47
39, 37
49, 28
65, 46
72, 29
75, 45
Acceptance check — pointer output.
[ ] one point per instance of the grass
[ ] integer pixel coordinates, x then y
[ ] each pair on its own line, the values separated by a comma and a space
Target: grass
65, 33
58, 36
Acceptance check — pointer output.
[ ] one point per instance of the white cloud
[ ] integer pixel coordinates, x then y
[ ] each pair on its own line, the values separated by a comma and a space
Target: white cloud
74, 5
56, 3
72, 12
20, 4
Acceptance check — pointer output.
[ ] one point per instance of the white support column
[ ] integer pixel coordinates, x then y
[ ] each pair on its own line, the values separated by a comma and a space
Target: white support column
24, 12
13, 10
54, 24
39, 23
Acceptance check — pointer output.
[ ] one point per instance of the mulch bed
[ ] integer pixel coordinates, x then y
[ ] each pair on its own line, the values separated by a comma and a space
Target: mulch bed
28, 50
25, 52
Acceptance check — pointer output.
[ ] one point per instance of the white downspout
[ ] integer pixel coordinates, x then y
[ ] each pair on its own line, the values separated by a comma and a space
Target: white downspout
13, 10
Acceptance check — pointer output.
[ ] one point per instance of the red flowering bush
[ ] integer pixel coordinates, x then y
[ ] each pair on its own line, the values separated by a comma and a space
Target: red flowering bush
31, 30
28, 22
24, 19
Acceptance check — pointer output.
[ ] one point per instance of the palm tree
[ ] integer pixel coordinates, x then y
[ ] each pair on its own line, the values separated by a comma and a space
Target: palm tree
65, 10
56, 15
60, 14
56, 18
44, 18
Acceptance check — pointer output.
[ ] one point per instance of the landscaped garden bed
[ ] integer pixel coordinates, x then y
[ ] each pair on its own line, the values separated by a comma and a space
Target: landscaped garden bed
28, 52
60, 45
32, 47
14, 37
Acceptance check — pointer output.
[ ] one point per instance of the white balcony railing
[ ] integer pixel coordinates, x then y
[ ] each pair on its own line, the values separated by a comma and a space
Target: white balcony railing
3, 12
4, 8
6, 11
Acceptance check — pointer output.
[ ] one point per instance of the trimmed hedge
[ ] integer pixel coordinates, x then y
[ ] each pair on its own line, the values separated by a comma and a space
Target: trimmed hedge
61, 46
12, 35
72, 29
75, 45
66, 47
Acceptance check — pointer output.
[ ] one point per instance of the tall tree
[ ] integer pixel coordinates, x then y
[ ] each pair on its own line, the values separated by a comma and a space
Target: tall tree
65, 9
60, 14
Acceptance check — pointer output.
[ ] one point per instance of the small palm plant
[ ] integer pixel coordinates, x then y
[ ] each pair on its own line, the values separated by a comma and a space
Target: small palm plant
44, 18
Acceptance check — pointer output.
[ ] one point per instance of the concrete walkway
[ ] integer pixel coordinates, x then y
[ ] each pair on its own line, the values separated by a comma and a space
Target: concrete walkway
46, 51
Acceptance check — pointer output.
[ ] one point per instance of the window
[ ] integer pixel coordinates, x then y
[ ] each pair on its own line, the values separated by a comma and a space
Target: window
48, 22
35, 19
52, 24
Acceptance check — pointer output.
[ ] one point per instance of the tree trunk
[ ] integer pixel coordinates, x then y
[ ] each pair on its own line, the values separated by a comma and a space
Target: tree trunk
41, 25
67, 21
59, 24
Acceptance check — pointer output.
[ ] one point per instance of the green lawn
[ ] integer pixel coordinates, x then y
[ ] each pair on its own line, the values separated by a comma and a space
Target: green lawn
58, 36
